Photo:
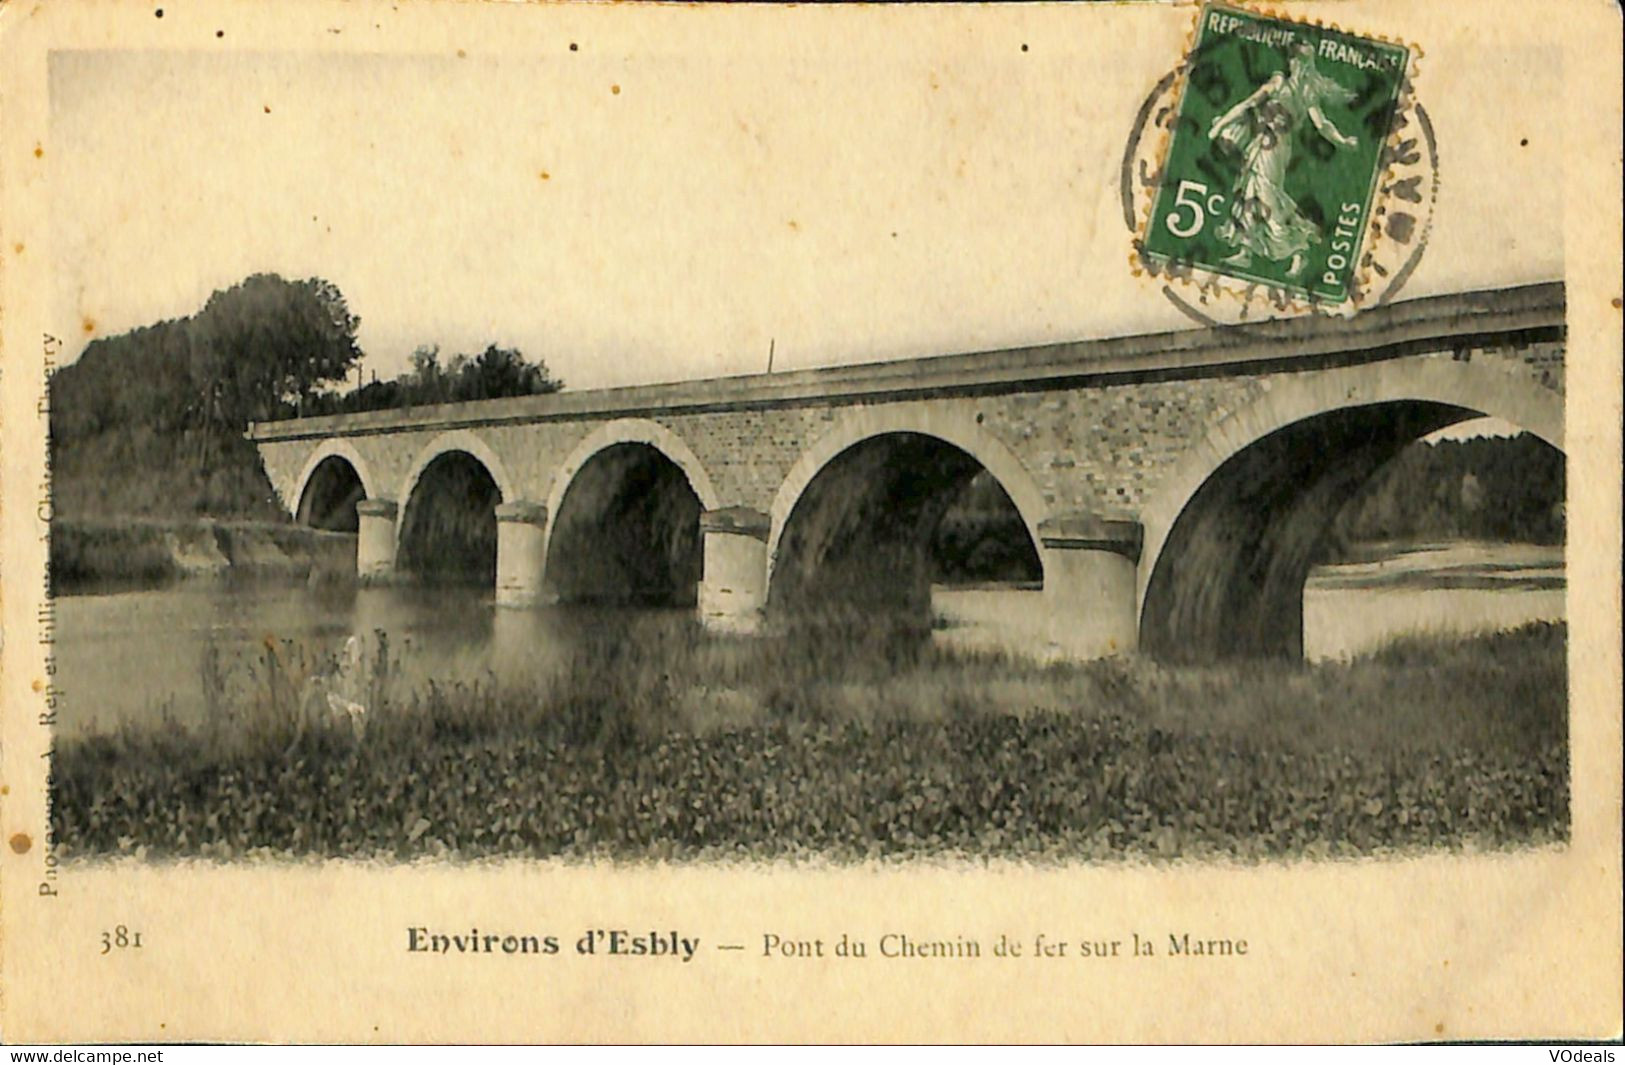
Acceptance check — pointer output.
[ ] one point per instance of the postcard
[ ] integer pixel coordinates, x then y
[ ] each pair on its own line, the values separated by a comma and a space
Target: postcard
864, 523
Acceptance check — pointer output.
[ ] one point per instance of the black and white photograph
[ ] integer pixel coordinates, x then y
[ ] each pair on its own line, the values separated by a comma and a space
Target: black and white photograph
803, 441
343, 571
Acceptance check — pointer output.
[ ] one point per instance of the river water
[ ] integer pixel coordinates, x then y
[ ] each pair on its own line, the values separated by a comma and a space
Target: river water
134, 657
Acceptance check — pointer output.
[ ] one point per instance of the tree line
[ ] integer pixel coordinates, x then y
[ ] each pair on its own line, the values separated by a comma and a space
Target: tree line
494, 373
151, 421
1480, 488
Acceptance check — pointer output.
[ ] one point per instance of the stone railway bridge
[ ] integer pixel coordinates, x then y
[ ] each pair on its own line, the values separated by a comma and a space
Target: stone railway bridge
1175, 486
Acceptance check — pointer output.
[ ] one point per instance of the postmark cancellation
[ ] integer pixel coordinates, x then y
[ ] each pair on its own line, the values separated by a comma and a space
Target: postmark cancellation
1284, 163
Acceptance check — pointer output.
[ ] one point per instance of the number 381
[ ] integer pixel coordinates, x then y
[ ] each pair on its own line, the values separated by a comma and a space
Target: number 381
120, 938
1192, 194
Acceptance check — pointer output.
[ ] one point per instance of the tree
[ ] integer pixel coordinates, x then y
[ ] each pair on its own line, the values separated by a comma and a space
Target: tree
426, 377
495, 373
266, 343
151, 421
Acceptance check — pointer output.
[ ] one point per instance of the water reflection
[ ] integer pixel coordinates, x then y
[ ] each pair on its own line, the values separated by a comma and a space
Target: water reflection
134, 656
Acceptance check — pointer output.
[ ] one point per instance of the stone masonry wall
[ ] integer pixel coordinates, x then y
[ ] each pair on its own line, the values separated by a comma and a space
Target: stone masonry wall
1101, 449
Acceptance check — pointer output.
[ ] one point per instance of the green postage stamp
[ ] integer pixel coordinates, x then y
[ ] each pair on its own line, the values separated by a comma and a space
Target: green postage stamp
1276, 153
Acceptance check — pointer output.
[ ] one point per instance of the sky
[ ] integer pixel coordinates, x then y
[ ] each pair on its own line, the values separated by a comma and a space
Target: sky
640, 209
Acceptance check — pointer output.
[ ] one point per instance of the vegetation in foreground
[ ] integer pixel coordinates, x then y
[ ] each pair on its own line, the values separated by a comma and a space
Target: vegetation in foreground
682, 747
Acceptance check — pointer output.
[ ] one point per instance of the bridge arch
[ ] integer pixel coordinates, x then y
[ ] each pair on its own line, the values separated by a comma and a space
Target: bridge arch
632, 431
447, 527
465, 440
623, 517
339, 450
1301, 449
956, 428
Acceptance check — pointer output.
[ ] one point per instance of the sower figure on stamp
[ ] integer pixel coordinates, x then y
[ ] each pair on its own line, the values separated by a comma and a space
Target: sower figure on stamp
1264, 220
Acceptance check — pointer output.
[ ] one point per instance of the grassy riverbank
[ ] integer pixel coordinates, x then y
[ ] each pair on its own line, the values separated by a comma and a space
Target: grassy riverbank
686, 747
88, 553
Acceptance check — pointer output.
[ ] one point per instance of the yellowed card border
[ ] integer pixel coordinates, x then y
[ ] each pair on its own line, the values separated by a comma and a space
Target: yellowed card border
1450, 946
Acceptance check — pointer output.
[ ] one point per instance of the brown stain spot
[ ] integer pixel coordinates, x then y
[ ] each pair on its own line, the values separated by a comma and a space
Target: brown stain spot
545, 176
793, 224
615, 90
1615, 301
37, 685
5, 789
89, 325
18, 248
39, 151
20, 843
267, 108
461, 54
1438, 1029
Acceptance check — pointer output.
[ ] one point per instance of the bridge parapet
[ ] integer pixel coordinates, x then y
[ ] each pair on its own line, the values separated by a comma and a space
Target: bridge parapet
1379, 332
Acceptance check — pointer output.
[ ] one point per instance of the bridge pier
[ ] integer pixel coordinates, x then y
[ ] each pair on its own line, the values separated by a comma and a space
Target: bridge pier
375, 539
733, 588
521, 553
1090, 566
